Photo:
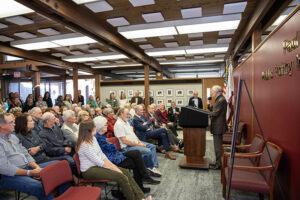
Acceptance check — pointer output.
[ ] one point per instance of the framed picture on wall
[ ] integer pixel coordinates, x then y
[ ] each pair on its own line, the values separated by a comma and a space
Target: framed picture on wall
130, 93
159, 101
189, 93
141, 93
120, 92
179, 102
159, 93
169, 101
151, 93
169, 92
179, 93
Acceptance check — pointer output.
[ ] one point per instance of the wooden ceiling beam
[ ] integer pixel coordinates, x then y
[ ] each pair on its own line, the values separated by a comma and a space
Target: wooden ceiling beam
40, 57
254, 21
20, 64
85, 22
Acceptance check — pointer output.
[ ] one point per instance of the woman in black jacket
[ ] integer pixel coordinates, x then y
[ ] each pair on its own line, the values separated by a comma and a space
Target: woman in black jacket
48, 99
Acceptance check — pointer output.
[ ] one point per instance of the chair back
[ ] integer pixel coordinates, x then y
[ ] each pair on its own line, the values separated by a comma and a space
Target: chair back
77, 162
114, 140
257, 145
275, 153
55, 175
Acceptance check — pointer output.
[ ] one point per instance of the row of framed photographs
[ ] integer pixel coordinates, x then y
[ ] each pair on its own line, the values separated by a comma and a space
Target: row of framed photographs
158, 93
179, 102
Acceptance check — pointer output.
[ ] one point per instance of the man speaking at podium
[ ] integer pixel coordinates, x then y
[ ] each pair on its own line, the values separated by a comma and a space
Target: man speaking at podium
196, 101
218, 121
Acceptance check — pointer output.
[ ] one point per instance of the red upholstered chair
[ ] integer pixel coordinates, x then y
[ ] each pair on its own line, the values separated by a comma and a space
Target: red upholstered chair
227, 137
114, 140
82, 180
259, 178
255, 147
59, 173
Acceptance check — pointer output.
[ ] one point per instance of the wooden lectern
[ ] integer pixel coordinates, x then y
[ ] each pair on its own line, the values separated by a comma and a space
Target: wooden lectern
194, 122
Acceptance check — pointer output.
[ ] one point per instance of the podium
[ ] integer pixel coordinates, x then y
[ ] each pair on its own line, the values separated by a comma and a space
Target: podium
194, 122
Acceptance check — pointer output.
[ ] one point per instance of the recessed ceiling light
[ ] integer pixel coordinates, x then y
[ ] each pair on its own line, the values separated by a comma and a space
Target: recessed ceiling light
48, 31
234, 8
12, 58
119, 21
10, 8
171, 44
74, 41
187, 62
83, 1
19, 20
191, 13
116, 65
208, 27
111, 57
137, 3
3, 26
25, 35
154, 32
37, 45
146, 46
206, 50
153, 17
166, 53
94, 57
99, 6
4, 38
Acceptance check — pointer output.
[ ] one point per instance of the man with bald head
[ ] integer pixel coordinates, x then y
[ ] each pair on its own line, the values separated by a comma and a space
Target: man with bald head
196, 101
136, 99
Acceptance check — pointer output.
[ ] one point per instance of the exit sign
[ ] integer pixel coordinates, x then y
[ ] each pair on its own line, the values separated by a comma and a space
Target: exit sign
17, 74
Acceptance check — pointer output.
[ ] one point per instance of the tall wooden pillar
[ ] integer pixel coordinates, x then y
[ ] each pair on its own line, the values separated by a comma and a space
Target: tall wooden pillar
146, 72
37, 84
97, 85
2, 61
75, 85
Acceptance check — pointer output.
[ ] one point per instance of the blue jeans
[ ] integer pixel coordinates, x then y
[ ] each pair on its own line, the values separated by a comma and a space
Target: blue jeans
148, 154
28, 185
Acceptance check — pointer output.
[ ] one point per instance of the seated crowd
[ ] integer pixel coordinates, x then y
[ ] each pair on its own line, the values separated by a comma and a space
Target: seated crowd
34, 135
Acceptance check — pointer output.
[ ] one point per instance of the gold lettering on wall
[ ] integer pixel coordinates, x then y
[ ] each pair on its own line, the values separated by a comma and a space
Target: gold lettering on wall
290, 45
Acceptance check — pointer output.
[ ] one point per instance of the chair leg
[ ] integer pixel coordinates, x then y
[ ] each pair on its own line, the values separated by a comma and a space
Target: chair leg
261, 196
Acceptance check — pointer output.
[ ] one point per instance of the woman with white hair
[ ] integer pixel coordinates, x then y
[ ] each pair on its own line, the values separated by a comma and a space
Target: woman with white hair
129, 160
109, 113
70, 128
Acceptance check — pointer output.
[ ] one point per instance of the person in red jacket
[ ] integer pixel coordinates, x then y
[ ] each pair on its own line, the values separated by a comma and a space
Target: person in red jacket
109, 112
164, 119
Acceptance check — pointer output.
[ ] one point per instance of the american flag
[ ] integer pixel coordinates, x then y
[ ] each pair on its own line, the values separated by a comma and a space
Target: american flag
228, 91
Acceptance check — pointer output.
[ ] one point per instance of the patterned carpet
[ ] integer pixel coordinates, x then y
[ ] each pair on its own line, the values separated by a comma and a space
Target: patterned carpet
181, 184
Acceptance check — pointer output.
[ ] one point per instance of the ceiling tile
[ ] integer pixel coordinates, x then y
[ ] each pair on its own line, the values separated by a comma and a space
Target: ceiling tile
140, 40
191, 12
95, 51
25, 35
168, 37
137, 3
77, 53
48, 31
228, 32
180, 58
99, 6
198, 57
196, 42
146, 46
234, 8
83, 1
171, 44
3, 25
119, 21
193, 35
4, 38
120, 61
153, 17
19, 20
224, 41
58, 54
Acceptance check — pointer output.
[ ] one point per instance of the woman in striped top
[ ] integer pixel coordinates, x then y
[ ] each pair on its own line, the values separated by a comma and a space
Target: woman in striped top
94, 164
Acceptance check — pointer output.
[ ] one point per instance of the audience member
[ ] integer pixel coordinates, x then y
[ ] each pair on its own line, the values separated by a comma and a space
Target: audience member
70, 128
68, 101
48, 100
145, 130
60, 101
129, 141
16, 111
99, 104
173, 114
80, 98
132, 110
112, 101
136, 99
82, 116
28, 105
163, 118
129, 160
36, 114
40, 103
91, 102
98, 112
95, 165
109, 113
123, 99
196, 101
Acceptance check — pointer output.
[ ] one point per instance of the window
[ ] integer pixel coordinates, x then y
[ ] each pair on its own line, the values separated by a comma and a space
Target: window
25, 90
56, 89
13, 87
87, 87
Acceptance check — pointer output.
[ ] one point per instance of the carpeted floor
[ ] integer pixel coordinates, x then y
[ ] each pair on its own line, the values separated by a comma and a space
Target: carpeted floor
181, 184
